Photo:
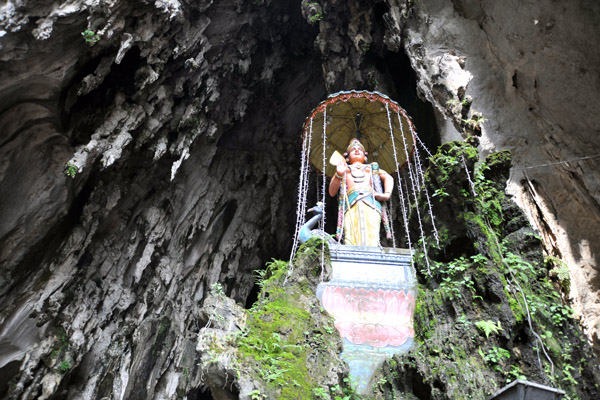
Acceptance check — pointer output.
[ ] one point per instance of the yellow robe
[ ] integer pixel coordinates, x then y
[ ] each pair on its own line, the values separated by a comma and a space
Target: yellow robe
361, 225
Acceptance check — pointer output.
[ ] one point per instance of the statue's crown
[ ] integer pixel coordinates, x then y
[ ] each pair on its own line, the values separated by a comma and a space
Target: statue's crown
353, 143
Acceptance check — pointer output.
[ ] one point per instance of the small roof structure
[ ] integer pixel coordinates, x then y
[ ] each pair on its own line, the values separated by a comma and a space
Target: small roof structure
372, 117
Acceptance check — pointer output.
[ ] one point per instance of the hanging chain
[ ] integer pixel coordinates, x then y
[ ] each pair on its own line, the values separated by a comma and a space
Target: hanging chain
414, 189
430, 209
301, 197
391, 221
400, 191
302, 194
324, 181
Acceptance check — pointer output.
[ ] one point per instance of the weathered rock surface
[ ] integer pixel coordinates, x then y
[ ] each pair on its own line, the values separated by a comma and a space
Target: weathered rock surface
284, 347
182, 149
537, 85
180, 122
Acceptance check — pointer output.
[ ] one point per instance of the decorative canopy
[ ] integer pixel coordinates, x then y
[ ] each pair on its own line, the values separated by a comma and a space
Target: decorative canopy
371, 117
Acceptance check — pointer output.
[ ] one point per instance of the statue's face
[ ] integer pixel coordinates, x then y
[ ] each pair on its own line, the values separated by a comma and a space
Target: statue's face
356, 154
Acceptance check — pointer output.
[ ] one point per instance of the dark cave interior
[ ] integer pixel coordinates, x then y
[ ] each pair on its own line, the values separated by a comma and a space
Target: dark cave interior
296, 102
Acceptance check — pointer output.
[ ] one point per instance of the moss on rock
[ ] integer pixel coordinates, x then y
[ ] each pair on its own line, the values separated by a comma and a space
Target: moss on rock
487, 312
288, 347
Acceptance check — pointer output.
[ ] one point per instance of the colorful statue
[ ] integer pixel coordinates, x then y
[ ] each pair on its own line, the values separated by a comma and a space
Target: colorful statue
361, 211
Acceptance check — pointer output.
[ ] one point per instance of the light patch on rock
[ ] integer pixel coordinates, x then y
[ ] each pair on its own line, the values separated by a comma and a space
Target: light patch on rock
171, 385
165, 271
120, 384
171, 7
451, 73
44, 29
160, 148
46, 25
126, 43
145, 76
49, 383
143, 262
116, 148
177, 163
17, 334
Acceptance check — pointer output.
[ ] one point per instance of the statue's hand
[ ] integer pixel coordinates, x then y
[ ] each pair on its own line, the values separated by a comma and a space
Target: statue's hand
382, 196
341, 168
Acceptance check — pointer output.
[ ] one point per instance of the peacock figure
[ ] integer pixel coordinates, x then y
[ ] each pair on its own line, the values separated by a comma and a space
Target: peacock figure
307, 231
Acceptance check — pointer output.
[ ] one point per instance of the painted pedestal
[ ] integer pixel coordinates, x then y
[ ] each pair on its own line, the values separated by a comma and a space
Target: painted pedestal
371, 296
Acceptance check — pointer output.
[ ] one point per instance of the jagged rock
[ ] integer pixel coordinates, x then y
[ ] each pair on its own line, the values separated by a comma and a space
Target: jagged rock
180, 121
285, 347
519, 57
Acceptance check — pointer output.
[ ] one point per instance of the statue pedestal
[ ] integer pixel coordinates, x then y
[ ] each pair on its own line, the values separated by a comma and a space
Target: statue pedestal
371, 296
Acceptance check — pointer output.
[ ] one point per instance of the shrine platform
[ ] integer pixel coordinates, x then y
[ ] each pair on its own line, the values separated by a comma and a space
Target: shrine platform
371, 295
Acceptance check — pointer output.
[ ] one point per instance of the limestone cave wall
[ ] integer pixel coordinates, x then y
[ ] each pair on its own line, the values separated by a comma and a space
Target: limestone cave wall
149, 149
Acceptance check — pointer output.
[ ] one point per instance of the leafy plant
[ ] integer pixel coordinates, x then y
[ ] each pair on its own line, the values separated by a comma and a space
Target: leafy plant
516, 373
318, 15
454, 277
441, 193
91, 37
382, 381
315, 18
64, 366
475, 122
256, 395
464, 321
567, 374
71, 170
489, 327
560, 314
495, 356
559, 271
216, 289
320, 393
344, 393
521, 268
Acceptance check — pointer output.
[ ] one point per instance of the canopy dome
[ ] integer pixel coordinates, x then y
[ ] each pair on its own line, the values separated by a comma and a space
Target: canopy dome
383, 127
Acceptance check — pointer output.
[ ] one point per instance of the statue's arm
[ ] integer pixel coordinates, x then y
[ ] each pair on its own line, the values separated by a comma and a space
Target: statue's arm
388, 186
336, 181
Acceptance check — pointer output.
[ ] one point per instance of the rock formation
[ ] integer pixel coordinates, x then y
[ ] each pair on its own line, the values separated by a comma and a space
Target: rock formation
149, 150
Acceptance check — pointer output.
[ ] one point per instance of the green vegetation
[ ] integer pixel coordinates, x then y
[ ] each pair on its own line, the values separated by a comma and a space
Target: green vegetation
64, 366
91, 37
288, 343
217, 289
489, 327
256, 395
488, 289
474, 121
61, 351
559, 272
315, 18
318, 15
495, 356
71, 170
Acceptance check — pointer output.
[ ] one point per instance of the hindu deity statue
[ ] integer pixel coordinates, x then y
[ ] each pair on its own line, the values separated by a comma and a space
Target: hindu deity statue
361, 195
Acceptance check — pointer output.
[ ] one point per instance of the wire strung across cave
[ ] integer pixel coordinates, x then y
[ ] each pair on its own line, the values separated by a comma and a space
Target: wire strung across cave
555, 163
